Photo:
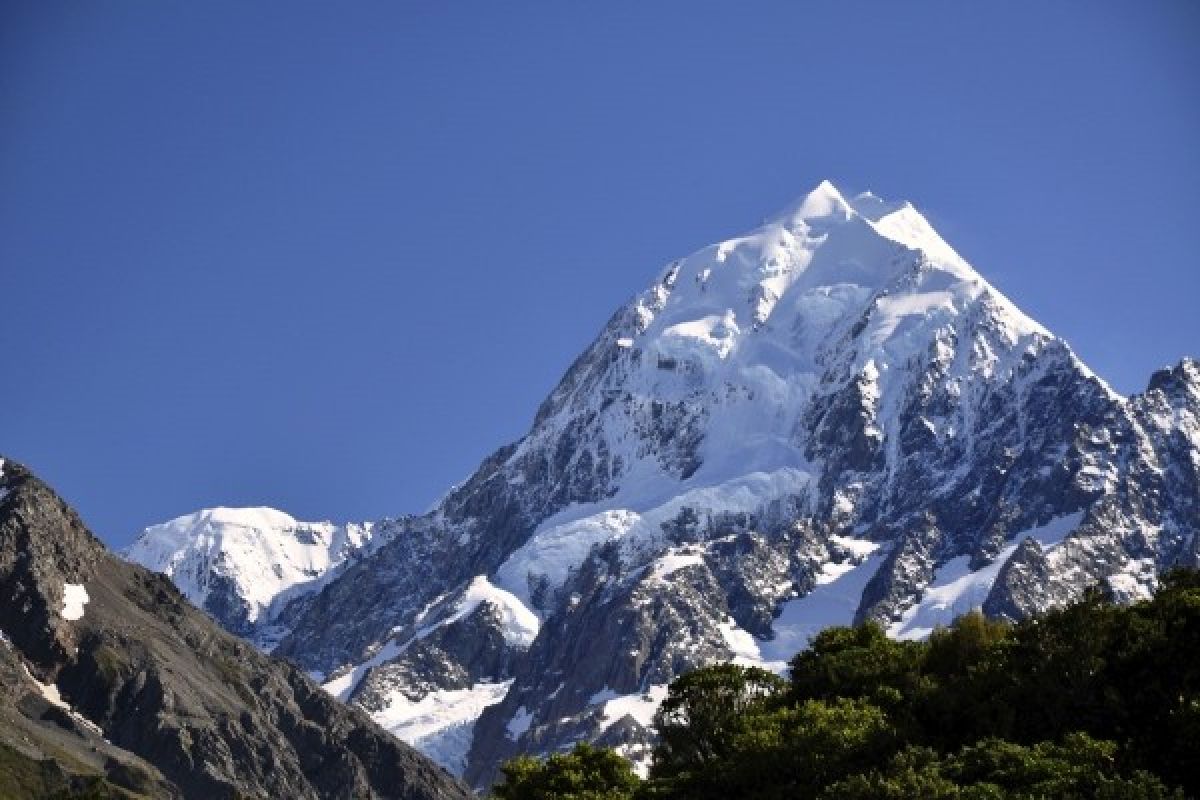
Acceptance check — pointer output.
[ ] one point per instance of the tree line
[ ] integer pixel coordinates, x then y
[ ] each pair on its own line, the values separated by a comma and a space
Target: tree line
1094, 700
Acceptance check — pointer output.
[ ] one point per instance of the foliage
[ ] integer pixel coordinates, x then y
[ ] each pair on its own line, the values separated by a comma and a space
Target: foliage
585, 773
703, 713
1081, 768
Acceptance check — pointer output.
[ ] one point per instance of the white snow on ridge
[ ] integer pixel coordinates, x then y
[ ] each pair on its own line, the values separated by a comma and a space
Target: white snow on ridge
563, 542
50, 692
832, 601
519, 625
75, 597
344, 684
955, 590
902, 223
440, 724
267, 554
639, 705
552, 553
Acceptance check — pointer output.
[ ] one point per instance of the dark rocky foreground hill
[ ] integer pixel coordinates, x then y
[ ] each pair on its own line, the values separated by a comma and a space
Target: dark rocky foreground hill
134, 692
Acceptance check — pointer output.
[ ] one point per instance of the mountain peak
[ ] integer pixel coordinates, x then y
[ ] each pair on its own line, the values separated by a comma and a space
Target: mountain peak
831, 417
807, 275
236, 562
823, 202
898, 221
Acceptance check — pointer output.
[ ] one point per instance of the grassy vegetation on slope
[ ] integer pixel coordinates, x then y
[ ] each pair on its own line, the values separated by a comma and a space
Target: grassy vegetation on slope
25, 778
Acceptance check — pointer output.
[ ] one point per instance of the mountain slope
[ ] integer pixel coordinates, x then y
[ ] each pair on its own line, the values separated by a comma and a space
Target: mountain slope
833, 417
132, 669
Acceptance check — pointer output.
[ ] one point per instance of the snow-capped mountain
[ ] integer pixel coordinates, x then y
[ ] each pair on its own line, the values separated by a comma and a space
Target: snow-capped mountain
831, 418
241, 565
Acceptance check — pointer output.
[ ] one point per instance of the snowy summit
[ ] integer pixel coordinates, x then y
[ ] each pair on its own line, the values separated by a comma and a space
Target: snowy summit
242, 565
829, 419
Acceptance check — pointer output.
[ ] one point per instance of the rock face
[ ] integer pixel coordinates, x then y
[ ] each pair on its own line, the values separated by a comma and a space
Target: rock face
36, 728
831, 418
148, 693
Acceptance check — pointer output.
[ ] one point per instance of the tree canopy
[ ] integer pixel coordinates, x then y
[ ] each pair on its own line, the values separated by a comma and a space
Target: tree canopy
1094, 700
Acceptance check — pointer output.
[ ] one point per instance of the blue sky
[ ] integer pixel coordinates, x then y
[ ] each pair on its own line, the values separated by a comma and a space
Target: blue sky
327, 257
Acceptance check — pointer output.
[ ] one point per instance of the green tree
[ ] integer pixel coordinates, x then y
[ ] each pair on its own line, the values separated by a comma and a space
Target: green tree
859, 662
954, 650
798, 751
913, 772
1081, 768
585, 773
703, 712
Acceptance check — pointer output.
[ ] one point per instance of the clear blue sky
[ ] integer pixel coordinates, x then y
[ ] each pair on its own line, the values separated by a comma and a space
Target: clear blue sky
326, 256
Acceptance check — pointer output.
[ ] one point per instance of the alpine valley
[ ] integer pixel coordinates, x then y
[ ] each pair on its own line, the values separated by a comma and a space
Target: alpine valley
830, 419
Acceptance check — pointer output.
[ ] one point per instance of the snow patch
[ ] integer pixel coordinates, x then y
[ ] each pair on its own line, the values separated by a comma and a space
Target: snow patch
955, 589
1136, 581
50, 692
833, 601
75, 597
640, 705
741, 643
519, 723
562, 543
716, 333
674, 561
518, 624
441, 723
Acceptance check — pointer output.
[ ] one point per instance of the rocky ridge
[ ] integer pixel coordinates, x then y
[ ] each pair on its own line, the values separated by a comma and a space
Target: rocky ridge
113, 677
